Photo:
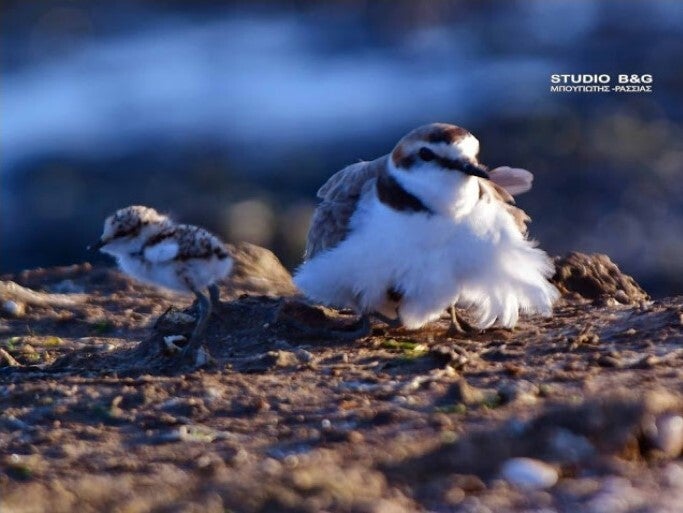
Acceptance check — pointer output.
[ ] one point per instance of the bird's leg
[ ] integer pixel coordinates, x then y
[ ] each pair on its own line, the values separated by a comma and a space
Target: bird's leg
455, 327
392, 323
364, 328
204, 312
215, 295
459, 326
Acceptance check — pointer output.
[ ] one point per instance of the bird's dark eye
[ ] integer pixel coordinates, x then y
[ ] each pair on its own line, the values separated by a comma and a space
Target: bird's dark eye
426, 154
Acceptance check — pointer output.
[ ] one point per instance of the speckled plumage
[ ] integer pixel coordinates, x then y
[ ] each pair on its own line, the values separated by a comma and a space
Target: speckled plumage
151, 248
192, 242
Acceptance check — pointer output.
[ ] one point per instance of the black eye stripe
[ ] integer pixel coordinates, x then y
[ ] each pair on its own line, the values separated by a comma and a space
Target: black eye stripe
457, 164
426, 154
129, 231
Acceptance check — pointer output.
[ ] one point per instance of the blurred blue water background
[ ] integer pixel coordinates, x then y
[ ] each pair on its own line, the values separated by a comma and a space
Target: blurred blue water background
231, 115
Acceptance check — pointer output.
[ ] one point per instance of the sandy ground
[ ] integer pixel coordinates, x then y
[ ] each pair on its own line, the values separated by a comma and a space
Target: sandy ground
95, 416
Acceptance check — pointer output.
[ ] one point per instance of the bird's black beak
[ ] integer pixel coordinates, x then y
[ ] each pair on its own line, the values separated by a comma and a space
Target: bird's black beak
96, 245
478, 170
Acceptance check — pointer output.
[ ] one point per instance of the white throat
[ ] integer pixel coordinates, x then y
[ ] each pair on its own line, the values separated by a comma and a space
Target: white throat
449, 193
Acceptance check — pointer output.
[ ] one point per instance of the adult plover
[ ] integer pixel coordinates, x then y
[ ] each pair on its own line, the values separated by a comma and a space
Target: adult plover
151, 248
408, 235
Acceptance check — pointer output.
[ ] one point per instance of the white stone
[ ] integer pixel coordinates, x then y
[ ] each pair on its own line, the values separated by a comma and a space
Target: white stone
670, 435
13, 308
303, 356
529, 473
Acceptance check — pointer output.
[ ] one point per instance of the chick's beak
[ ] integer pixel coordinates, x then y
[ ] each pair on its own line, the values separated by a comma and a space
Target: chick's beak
96, 245
475, 169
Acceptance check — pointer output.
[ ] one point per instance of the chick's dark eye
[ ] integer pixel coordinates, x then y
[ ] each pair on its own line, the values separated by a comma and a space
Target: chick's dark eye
426, 154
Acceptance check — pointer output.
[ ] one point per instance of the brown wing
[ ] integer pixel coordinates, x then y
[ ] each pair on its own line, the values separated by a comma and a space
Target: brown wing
494, 192
340, 195
196, 242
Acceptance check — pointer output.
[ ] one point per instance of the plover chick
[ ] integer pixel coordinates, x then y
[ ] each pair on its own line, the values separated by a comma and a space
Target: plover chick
151, 248
408, 235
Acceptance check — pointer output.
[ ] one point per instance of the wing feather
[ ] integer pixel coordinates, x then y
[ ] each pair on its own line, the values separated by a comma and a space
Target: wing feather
512, 179
163, 251
340, 195
495, 192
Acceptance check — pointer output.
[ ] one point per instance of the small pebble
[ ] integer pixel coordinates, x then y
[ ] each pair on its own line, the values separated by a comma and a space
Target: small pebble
519, 391
13, 308
67, 287
192, 434
14, 423
213, 393
607, 360
454, 495
303, 356
673, 475
570, 446
669, 435
529, 474
271, 466
283, 358
355, 437
175, 317
622, 297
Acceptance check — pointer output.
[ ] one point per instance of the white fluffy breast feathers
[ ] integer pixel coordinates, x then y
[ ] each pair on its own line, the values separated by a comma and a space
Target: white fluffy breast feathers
432, 263
428, 235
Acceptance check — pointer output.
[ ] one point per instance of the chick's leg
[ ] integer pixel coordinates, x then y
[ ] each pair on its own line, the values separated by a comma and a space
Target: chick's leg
191, 350
215, 295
